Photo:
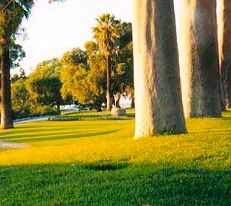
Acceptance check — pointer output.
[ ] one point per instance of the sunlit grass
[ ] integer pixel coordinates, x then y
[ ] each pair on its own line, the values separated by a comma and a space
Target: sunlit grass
64, 142
99, 163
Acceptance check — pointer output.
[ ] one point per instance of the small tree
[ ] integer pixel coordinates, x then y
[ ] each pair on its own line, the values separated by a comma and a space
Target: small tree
20, 97
44, 84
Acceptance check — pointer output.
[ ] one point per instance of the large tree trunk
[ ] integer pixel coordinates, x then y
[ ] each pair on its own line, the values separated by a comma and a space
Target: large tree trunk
6, 108
109, 103
198, 52
156, 70
224, 41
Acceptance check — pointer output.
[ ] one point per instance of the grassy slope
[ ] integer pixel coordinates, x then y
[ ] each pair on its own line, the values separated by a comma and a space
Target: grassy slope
98, 163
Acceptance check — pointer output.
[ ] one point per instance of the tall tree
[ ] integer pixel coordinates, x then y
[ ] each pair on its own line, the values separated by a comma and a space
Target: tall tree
224, 42
198, 51
157, 80
6, 106
106, 34
11, 15
122, 59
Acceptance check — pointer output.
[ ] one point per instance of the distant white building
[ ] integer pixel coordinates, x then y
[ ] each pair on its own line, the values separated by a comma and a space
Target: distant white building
71, 107
125, 102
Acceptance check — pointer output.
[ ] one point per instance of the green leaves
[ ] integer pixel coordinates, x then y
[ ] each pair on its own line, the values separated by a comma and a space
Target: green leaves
107, 32
74, 57
44, 84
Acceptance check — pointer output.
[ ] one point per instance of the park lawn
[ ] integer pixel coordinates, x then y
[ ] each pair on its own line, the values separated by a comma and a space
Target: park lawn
98, 163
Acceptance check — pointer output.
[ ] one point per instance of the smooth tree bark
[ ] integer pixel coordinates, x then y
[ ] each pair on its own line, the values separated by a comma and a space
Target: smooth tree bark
158, 103
6, 106
224, 42
198, 54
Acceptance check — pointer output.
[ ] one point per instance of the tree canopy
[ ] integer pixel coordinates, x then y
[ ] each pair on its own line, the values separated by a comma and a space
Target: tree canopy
84, 72
44, 83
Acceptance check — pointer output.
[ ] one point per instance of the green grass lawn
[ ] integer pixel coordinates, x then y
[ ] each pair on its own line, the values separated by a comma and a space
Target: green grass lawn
98, 163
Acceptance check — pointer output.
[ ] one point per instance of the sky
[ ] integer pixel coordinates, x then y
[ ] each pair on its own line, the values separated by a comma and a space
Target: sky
53, 29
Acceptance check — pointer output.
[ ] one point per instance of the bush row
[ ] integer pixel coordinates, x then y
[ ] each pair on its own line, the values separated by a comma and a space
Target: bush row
89, 118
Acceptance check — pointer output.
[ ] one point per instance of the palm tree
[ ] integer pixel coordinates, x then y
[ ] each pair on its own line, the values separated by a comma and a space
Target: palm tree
106, 34
11, 15
224, 42
198, 52
156, 70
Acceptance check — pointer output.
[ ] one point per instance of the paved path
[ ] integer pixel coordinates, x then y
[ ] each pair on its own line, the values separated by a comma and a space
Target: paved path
32, 119
11, 145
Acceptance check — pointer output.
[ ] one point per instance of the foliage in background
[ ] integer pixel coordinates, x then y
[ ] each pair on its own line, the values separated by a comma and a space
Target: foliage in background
20, 97
79, 76
38, 94
106, 33
84, 73
44, 84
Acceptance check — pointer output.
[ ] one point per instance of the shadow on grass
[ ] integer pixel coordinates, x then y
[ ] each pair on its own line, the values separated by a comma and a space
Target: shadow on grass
212, 131
112, 183
106, 166
33, 127
227, 118
49, 137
